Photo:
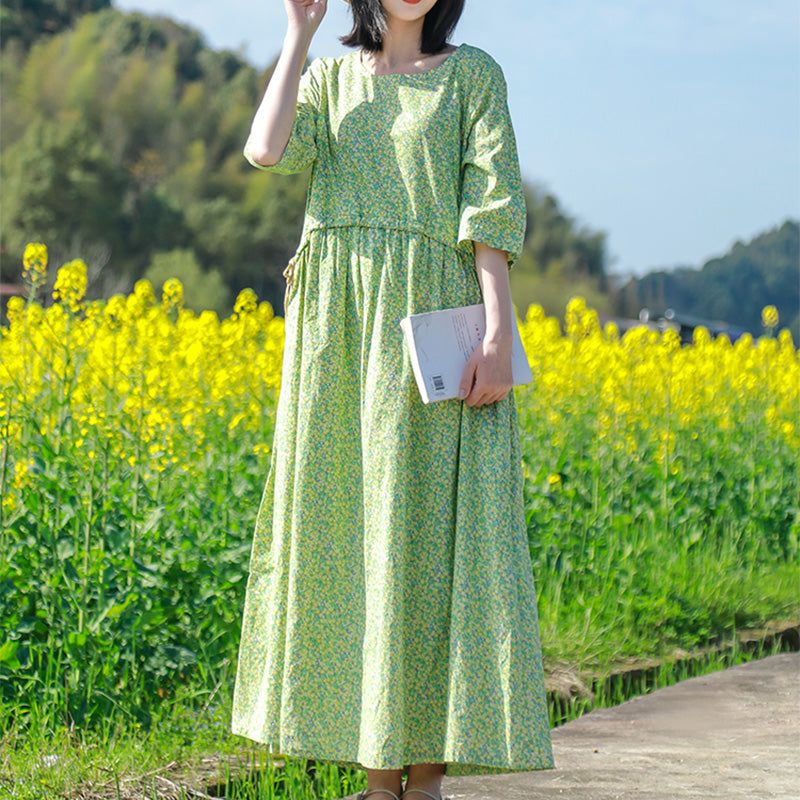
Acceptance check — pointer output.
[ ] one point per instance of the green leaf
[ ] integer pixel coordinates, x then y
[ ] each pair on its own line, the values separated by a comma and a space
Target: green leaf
65, 548
8, 654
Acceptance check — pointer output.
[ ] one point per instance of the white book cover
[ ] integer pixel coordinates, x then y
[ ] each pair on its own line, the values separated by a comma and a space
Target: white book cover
441, 342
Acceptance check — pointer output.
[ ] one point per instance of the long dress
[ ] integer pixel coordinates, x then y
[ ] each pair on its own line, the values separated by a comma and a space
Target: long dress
390, 615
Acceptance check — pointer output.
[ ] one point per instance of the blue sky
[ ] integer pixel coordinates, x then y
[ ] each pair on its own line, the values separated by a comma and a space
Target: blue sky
673, 126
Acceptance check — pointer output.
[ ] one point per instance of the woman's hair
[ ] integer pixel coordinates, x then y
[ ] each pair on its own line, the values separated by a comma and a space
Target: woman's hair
369, 25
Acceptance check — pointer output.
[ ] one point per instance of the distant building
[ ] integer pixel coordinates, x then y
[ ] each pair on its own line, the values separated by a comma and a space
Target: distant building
624, 324
686, 323
682, 324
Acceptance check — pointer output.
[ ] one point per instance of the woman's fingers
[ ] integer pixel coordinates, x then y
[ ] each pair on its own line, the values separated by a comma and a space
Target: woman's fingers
467, 377
305, 15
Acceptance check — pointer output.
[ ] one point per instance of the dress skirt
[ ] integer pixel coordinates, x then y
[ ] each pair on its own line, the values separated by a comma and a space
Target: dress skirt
390, 614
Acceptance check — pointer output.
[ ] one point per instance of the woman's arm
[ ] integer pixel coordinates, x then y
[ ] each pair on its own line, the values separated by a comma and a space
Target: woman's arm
493, 219
489, 366
274, 119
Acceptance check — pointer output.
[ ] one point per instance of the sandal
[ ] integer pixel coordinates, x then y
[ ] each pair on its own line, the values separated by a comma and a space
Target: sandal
432, 796
363, 793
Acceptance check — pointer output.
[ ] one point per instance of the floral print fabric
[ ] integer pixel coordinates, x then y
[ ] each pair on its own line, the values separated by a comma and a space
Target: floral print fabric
390, 616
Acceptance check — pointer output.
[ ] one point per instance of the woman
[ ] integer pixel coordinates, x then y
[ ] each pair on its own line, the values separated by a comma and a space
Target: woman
390, 620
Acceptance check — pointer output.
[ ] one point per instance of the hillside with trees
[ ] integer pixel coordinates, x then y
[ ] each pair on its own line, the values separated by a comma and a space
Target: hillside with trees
733, 287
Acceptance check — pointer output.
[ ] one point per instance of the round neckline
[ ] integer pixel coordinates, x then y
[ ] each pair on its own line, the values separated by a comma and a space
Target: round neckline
360, 67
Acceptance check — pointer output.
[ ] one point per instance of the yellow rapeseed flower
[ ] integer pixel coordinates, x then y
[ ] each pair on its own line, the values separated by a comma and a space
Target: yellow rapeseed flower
246, 302
70, 285
170, 386
172, 293
671, 340
34, 263
115, 312
15, 309
769, 316
21, 473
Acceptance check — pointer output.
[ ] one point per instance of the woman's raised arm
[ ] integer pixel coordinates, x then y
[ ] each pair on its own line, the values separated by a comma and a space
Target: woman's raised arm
290, 94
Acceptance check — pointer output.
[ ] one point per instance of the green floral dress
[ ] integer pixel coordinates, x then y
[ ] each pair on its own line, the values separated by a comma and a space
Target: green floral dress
390, 616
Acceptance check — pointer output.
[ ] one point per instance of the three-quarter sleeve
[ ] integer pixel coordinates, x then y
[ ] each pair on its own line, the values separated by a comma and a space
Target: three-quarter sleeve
492, 206
301, 148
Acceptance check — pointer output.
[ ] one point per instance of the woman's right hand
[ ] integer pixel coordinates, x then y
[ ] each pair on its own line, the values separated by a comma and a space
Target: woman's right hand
305, 16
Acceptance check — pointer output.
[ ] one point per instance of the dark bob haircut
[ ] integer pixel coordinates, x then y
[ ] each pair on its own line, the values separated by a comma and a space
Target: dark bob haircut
369, 25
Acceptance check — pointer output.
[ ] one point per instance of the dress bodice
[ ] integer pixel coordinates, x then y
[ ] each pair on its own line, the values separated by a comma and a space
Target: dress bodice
432, 152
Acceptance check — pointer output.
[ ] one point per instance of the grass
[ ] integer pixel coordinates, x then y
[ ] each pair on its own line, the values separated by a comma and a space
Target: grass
189, 752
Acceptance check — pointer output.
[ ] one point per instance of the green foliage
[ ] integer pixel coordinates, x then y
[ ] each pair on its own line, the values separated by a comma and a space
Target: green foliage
61, 186
24, 21
560, 259
558, 246
123, 138
202, 290
552, 292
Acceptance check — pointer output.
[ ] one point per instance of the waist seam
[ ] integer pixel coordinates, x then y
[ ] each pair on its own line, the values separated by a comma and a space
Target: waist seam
420, 230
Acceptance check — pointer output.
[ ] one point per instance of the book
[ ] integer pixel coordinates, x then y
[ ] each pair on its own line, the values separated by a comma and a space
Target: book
441, 342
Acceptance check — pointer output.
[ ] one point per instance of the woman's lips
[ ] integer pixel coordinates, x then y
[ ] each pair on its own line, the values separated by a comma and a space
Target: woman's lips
411, 2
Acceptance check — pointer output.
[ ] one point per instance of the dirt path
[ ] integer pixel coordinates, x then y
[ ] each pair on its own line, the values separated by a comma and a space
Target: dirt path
731, 735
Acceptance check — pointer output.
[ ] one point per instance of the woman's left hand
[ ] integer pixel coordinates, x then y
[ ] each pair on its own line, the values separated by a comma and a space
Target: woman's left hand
489, 367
